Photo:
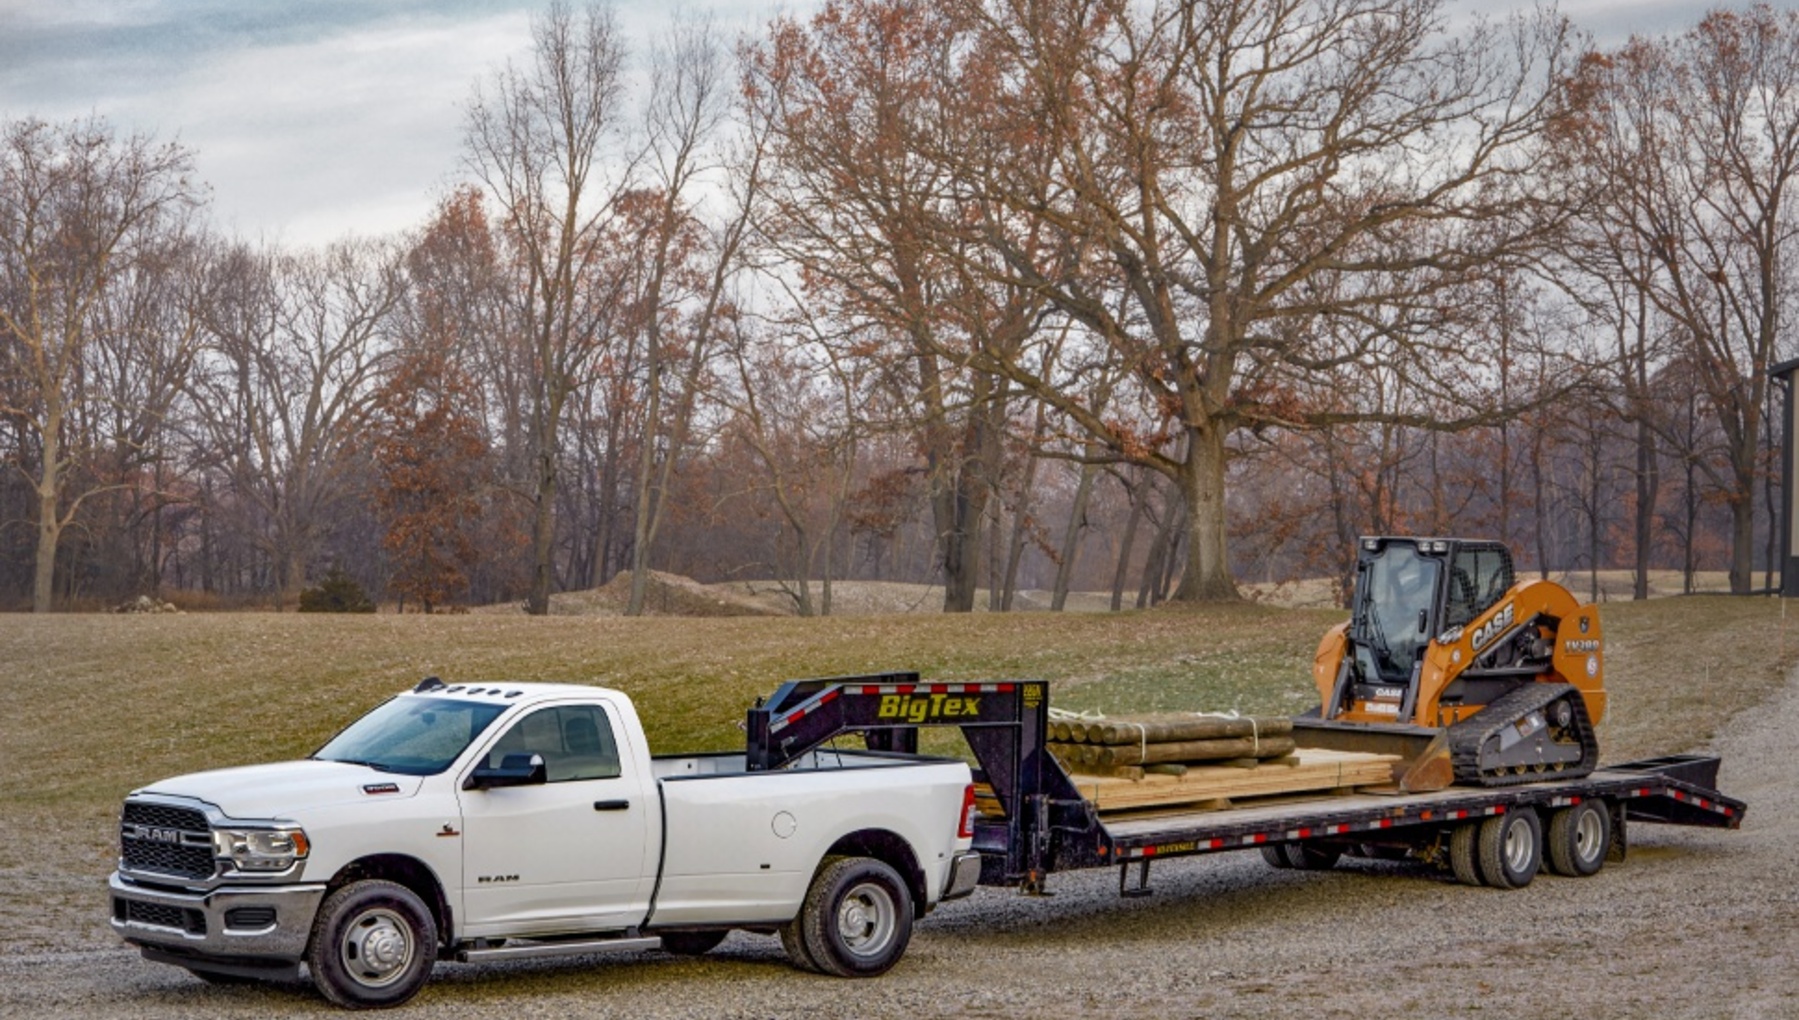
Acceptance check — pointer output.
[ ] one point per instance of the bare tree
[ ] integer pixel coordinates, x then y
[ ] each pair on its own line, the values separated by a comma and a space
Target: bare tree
1693, 148
286, 383
80, 210
1275, 188
689, 102
539, 137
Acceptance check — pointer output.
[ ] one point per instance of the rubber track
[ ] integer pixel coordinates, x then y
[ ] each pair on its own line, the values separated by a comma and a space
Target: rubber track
1466, 738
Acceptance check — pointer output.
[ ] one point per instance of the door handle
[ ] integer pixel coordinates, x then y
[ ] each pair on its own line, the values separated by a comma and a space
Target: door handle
611, 805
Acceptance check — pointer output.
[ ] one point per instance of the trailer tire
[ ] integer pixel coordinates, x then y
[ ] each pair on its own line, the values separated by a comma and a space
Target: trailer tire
1276, 855
373, 944
1579, 839
1306, 857
1511, 848
857, 918
1464, 853
693, 943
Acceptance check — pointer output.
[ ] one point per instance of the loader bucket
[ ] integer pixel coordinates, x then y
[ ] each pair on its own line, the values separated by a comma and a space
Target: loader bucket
1425, 764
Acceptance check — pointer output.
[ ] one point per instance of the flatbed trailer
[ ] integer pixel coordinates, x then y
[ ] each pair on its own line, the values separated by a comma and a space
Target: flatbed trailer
1045, 825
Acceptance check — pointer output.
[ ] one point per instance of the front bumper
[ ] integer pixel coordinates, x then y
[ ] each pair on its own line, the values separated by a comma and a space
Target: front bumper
964, 875
231, 928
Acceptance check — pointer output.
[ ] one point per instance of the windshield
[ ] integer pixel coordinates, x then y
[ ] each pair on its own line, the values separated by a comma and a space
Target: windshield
1401, 584
415, 736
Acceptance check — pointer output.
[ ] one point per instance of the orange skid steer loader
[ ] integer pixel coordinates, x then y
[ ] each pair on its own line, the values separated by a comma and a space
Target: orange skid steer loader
1468, 674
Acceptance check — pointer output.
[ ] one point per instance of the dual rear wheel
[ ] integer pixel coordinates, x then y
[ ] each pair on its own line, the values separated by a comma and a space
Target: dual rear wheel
1506, 851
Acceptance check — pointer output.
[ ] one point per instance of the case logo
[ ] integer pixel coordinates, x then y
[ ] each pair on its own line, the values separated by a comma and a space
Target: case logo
1486, 632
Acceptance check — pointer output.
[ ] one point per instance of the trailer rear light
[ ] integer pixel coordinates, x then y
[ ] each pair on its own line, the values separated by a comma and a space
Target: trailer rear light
965, 830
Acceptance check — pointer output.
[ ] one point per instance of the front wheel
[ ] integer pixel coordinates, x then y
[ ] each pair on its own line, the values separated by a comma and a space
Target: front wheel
372, 946
857, 918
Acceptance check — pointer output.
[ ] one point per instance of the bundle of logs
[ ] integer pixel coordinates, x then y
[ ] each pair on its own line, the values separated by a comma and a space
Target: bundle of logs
1129, 746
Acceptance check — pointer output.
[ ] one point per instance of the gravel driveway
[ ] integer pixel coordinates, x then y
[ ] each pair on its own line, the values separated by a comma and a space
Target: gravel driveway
1697, 923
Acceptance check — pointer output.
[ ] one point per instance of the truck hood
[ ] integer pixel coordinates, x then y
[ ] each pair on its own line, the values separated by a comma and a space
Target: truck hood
282, 789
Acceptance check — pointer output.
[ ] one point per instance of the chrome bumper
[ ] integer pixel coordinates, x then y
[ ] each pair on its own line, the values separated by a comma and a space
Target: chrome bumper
243, 924
964, 875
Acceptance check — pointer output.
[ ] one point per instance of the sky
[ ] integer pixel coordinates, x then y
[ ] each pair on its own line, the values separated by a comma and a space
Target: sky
318, 120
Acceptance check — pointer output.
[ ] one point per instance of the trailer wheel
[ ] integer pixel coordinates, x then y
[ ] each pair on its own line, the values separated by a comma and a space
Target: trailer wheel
857, 918
693, 943
1276, 855
1307, 857
372, 945
1511, 848
1464, 853
1579, 838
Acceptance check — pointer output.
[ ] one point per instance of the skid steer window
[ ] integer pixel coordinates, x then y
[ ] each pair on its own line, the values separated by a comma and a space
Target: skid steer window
1396, 610
1478, 579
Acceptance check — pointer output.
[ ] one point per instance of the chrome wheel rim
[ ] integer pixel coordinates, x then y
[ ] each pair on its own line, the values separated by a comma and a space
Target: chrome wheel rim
867, 919
1588, 835
376, 948
1518, 848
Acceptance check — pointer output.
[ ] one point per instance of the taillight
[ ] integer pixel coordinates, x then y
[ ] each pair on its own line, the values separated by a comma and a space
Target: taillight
966, 829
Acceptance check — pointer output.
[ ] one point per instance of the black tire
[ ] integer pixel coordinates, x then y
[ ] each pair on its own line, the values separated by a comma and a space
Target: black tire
1309, 857
693, 943
373, 944
793, 939
1464, 853
1276, 855
1511, 848
1579, 838
857, 918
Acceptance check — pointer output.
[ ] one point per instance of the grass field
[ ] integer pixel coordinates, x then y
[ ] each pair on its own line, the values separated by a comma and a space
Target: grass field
93, 705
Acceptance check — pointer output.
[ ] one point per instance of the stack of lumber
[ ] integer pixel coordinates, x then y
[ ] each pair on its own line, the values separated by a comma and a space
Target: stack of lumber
1125, 747
1309, 770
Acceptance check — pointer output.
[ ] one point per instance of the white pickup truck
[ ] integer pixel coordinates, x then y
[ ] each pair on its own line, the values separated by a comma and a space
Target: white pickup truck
496, 821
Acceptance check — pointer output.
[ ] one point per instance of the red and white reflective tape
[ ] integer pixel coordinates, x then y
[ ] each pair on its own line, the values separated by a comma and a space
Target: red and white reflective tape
804, 710
874, 689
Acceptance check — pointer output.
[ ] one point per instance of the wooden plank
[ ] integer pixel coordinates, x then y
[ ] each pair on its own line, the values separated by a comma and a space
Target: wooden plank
1316, 770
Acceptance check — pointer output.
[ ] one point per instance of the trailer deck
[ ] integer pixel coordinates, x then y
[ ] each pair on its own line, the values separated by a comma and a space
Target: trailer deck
1046, 825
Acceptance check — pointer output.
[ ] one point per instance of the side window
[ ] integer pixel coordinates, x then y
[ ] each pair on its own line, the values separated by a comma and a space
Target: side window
1478, 579
576, 742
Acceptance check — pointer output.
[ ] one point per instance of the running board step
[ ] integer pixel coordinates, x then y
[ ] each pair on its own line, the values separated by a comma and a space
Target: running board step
539, 950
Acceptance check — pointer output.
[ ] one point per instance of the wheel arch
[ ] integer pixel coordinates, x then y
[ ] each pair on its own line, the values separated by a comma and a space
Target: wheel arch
891, 849
402, 869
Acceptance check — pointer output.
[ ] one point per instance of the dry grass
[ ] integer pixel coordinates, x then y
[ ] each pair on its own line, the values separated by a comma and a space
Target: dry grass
93, 705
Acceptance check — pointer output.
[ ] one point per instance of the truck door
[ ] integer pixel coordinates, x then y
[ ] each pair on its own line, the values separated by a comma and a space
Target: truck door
571, 854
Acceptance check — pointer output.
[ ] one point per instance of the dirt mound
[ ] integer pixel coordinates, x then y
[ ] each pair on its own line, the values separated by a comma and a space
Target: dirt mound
664, 595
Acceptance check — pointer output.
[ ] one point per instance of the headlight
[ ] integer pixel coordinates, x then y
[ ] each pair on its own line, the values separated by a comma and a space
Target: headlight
260, 849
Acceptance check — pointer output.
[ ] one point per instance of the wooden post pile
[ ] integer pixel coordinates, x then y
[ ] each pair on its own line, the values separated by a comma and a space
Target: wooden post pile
1130, 746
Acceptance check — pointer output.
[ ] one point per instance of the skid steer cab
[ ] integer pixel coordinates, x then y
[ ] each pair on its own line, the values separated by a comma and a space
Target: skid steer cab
1447, 652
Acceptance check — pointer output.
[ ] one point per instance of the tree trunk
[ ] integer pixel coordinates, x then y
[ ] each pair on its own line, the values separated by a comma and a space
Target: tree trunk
543, 530
1124, 552
49, 532
1649, 481
1208, 574
1071, 538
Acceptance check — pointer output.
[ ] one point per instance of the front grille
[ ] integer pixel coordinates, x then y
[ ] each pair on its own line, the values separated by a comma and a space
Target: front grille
166, 840
180, 918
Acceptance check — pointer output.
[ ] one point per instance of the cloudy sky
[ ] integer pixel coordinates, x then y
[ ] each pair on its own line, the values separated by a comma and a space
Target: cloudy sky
319, 119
